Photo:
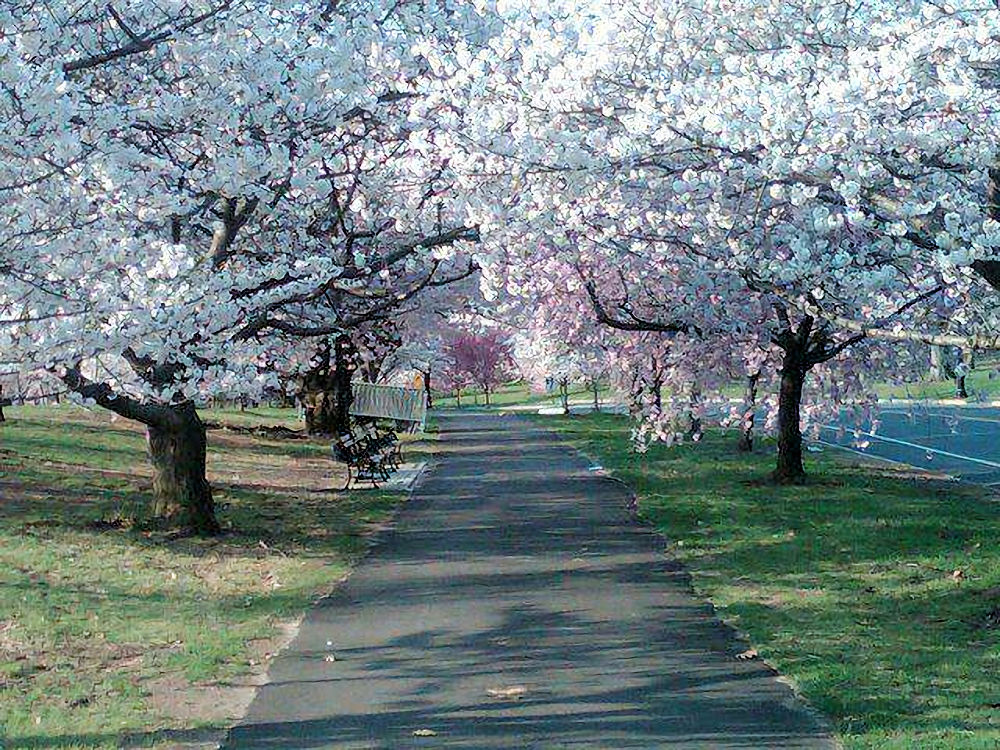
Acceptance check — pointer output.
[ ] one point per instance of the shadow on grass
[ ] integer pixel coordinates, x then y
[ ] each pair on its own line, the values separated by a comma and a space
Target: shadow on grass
92, 613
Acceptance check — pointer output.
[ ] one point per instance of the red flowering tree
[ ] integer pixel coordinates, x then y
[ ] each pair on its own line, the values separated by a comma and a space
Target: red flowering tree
482, 359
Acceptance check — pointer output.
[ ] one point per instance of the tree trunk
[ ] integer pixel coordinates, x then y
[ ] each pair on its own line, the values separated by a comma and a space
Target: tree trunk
486, 394
943, 361
960, 390
181, 492
326, 390
2, 417
177, 443
694, 420
745, 444
458, 397
343, 395
427, 389
790, 469
597, 397
564, 394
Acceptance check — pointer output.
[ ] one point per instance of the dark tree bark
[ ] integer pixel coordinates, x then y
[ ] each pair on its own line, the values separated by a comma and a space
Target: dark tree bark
486, 394
426, 377
790, 469
326, 389
961, 372
318, 412
597, 397
2, 404
805, 345
316, 387
694, 431
177, 450
943, 361
564, 394
177, 447
960, 390
343, 371
745, 444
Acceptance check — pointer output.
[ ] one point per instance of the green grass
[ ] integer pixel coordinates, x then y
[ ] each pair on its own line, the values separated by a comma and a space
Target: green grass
982, 384
254, 415
520, 393
92, 615
846, 585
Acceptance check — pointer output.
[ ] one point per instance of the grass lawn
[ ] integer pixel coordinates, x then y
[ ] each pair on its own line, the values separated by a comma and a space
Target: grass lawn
877, 593
513, 394
109, 632
982, 385
253, 416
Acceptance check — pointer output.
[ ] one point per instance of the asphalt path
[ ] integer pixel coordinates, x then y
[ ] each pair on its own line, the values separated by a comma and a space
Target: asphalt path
961, 441
516, 604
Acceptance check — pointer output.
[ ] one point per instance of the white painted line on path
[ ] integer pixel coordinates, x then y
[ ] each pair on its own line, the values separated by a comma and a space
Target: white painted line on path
942, 415
966, 419
874, 456
949, 454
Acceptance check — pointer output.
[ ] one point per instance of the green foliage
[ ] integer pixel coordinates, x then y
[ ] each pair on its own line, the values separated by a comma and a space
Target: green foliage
878, 594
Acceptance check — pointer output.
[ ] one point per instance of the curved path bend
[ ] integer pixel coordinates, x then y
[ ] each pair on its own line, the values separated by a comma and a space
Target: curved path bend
517, 605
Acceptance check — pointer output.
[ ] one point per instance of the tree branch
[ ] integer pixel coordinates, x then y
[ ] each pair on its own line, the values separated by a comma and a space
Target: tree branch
148, 414
635, 323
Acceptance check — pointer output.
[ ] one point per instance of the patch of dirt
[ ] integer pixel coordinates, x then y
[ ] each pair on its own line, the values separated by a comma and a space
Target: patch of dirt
84, 655
178, 701
15, 651
258, 468
113, 524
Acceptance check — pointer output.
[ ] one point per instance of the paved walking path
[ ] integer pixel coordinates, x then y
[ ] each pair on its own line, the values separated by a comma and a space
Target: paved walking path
516, 605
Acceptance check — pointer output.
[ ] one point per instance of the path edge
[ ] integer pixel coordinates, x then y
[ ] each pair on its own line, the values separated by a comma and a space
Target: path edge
373, 541
631, 506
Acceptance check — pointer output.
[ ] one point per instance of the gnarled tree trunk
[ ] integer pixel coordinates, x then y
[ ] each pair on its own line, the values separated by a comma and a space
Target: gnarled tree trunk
694, 431
343, 395
177, 450
326, 390
966, 366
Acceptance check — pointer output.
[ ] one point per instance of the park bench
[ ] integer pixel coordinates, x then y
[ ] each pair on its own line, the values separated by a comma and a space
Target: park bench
387, 442
365, 461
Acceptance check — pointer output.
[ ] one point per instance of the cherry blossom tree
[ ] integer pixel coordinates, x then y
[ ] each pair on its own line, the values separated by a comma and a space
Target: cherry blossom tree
198, 182
785, 163
479, 358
